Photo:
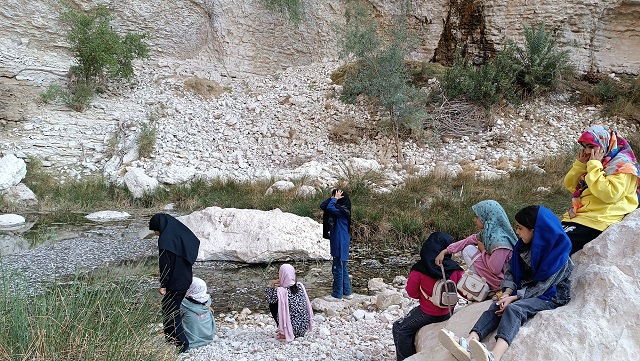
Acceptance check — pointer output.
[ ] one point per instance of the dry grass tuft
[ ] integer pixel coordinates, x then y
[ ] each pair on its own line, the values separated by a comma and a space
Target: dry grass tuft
205, 88
459, 118
347, 131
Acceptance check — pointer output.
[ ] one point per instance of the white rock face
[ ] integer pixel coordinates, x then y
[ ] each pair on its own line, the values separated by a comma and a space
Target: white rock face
21, 196
106, 216
254, 236
599, 323
246, 37
12, 171
250, 133
139, 183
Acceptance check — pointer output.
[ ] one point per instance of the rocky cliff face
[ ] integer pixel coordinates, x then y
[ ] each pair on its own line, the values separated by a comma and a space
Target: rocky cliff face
244, 36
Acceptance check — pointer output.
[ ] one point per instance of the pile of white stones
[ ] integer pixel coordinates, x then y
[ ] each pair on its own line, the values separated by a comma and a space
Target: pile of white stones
275, 127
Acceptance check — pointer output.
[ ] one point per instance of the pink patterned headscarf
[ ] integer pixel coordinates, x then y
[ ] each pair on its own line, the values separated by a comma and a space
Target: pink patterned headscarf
618, 157
287, 279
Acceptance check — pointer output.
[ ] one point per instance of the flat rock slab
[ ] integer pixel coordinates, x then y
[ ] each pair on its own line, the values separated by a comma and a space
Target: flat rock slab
106, 216
11, 220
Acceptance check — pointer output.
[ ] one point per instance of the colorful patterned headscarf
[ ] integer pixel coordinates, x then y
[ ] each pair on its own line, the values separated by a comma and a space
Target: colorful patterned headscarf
497, 231
618, 158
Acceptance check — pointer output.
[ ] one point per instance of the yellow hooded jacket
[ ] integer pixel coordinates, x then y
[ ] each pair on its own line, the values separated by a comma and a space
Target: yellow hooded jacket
607, 199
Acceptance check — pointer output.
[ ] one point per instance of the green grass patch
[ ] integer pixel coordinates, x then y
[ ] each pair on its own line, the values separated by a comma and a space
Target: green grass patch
402, 217
617, 97
85, 319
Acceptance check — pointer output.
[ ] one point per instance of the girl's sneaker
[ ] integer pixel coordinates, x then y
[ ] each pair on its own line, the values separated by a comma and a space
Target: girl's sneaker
458, 348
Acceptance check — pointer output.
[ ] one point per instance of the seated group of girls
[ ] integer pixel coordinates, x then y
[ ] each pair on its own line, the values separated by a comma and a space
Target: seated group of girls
528, 270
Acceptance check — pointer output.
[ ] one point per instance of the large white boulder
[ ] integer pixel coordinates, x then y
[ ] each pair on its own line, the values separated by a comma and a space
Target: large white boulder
174, 174
254, 236
21, 196
600, 323
139, 183
12, 171
280, 186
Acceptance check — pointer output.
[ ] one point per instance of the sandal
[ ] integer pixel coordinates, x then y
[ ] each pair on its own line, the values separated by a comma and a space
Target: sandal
459, 349
480, 351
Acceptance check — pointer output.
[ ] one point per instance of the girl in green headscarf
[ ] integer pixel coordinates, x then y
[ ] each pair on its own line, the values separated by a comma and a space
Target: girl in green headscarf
487, 251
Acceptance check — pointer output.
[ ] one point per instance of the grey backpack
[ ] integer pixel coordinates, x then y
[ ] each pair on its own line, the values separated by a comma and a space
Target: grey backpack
444, 294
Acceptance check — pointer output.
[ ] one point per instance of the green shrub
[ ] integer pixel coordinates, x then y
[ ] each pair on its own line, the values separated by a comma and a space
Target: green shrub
79, 96
606, 90
380, 72
53, 93
541, 64
146, 139
620, 97
291, 7
101, 54
485, 85
514, 73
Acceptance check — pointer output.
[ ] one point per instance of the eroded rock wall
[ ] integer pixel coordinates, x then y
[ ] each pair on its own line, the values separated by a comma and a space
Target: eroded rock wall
240, 36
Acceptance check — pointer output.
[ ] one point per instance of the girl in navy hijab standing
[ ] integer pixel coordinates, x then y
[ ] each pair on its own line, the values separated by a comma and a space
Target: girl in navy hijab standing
336, 222
178, 250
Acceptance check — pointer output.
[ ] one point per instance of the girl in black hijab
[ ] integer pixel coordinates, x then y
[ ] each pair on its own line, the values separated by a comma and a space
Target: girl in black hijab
422, 278
178, 250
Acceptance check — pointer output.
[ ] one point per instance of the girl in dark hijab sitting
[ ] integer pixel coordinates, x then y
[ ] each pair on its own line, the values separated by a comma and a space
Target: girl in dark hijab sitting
422, 278
178, 250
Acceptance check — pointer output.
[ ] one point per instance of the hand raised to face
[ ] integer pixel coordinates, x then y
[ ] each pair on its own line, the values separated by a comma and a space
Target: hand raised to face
338, 194
597, 153
583, 155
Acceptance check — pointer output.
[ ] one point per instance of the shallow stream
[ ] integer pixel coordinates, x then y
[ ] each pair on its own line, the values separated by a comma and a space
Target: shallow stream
233, 286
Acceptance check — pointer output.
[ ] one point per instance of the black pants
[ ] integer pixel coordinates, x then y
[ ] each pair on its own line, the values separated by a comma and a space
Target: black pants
172, 321
273, 307
579, 235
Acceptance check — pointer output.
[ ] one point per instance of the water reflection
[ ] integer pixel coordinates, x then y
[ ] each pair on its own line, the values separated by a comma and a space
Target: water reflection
236, 286
233, 286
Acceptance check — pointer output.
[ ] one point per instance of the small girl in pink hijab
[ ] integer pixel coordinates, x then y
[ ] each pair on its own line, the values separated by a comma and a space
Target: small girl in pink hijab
289, 304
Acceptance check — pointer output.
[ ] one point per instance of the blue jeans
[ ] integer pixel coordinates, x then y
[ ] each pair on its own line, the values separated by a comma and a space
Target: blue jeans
514, 316
405, 329
341, 281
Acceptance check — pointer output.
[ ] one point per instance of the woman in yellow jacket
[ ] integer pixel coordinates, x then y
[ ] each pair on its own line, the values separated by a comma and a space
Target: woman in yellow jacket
604, 183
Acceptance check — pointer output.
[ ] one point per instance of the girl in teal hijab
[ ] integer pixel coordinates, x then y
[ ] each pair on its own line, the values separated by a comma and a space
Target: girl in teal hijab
488, 251
496, 231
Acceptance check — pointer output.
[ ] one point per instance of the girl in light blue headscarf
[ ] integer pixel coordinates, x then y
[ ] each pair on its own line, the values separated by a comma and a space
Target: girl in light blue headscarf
488, 251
